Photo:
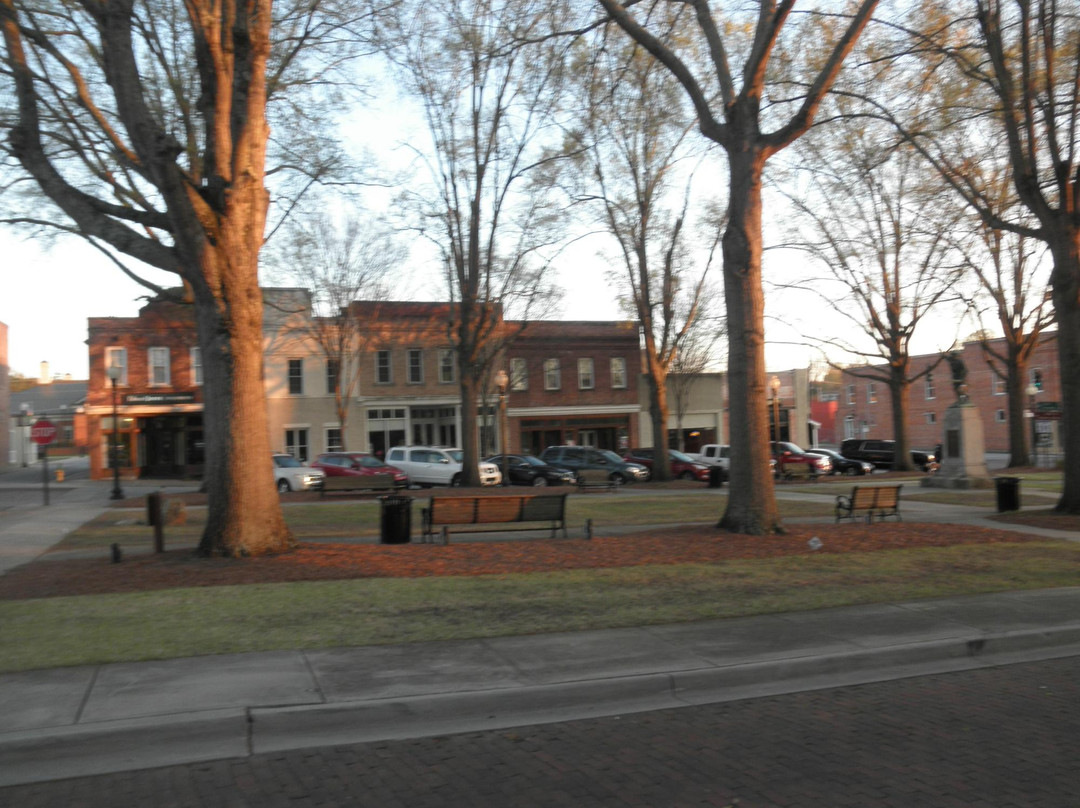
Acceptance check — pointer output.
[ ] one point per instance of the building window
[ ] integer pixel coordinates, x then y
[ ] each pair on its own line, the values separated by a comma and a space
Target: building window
296, 444
296, 377
585, 374
382, 368
618, 373
447, 365
851, 394
333, 439
997, 385
1000, 417
158, 361
849, 426
332, 376
1037, 378
931, 394
416, 366
117, 356
931, 417
519, 375
871, 393
196, 367
552, 380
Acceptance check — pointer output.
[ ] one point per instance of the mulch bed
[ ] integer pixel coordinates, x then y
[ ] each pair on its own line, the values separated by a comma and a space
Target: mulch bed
323, 562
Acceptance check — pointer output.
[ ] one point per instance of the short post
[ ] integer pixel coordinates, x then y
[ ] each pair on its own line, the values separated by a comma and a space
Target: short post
155, 517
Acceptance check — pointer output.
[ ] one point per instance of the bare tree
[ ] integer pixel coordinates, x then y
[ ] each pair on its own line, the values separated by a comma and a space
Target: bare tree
1005, 71
770, 110
145, 124
488, 104
875, 216
339, 264
633, 160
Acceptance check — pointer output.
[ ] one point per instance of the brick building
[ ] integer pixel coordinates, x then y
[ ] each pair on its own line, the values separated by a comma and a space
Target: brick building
865, 410
575, 382
159, 429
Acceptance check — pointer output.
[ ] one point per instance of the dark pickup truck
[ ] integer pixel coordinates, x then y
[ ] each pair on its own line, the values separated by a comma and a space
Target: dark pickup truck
882, 452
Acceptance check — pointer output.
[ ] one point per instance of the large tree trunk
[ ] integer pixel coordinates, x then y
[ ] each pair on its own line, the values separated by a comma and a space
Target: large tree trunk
1065, 286
244, 514
470, 386
898, 394
658, 410
751, 505
1020, 446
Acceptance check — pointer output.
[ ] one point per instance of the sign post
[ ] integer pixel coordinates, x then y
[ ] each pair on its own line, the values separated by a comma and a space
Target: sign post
43, 432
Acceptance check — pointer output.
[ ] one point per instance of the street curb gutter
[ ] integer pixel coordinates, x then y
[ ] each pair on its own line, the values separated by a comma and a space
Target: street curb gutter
113, 746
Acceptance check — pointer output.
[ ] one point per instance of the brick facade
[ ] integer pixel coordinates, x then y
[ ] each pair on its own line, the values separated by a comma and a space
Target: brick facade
862, 413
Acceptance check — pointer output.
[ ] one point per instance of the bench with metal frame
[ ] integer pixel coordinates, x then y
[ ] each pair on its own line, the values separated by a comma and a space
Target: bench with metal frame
524, 510
595, 480
880, 500
359, 482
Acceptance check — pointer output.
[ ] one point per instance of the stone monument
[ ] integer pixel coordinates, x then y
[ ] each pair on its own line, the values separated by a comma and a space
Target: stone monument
963, 460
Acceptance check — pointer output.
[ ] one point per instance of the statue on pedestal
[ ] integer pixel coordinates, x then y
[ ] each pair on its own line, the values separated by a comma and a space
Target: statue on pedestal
959, 377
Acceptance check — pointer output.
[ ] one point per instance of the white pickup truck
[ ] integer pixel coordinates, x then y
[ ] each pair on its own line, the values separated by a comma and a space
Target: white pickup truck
714, 454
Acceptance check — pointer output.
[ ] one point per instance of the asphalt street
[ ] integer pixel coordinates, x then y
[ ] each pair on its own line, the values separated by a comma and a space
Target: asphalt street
1002, 737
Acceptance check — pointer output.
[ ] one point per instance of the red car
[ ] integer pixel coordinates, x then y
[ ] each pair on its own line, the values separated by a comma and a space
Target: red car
356, 464
683, 467
791, 461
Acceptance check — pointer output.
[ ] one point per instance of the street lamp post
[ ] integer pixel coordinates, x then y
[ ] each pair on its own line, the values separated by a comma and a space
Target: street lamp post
1032, 391
113, 371
774, 385
502, 382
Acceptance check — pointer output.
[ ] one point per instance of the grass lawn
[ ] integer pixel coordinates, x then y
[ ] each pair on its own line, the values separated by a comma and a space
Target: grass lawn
63, 631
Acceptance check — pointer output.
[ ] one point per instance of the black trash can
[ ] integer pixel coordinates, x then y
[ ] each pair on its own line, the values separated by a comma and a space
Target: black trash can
716, 477
395, 519
1008, 493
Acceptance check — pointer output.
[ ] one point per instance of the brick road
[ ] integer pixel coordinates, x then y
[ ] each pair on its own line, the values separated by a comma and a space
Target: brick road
995, 738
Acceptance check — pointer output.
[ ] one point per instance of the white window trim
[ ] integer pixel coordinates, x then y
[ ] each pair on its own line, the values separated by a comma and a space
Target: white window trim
871, 392
117, 350
618, 380
930, 392
195, 356
851, 394
586, 372
519, 375
289, 377
151, 365
556, 370
451, 366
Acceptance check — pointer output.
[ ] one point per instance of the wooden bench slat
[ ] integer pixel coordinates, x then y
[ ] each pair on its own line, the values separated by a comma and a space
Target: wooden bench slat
883, 500
446, 512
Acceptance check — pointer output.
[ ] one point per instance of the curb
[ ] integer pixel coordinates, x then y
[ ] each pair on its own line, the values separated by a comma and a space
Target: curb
115, 746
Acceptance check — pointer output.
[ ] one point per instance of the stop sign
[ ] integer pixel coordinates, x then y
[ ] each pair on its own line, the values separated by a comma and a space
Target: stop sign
43, 432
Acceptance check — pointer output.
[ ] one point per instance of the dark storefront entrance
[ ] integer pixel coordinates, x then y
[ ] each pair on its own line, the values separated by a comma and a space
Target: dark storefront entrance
172, 446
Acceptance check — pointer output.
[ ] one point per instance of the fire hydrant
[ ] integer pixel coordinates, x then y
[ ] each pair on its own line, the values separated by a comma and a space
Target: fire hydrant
59, 475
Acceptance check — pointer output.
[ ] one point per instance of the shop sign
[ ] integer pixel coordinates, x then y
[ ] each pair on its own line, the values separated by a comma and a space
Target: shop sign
159, 398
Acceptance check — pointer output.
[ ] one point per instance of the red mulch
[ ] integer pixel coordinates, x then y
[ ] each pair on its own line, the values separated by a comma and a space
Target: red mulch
321, 562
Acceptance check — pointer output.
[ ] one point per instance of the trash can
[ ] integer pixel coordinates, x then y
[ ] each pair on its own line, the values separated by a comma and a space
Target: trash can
716, 477
1008, 493
395, 519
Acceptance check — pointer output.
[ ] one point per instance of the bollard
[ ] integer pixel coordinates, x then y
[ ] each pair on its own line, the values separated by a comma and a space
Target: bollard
117, 557
155, 518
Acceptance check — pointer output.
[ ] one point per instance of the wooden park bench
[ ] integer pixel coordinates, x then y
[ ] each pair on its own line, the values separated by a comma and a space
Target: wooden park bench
880, 500
595, 480
525, 510
358, 482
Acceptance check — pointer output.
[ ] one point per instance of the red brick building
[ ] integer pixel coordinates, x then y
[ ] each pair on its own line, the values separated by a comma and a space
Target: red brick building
865, 410
158, 393
574, 382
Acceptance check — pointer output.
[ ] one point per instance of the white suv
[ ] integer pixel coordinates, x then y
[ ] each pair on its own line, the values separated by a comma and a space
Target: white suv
292, 475
429, 465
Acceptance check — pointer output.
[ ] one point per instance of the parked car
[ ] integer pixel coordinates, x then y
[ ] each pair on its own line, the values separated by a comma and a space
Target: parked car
292, 475
882, 453
358, 464
714, 454
433, 465
530, 470
683, 466
578, 458
844, 465
792, 460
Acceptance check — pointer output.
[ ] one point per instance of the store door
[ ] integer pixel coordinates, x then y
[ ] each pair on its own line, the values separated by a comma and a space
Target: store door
162, 439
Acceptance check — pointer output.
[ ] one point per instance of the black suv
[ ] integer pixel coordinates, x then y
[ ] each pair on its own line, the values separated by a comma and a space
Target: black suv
577, 458
882, 452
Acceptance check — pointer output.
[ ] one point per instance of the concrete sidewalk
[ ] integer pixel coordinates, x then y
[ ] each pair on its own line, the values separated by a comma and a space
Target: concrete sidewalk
71, 722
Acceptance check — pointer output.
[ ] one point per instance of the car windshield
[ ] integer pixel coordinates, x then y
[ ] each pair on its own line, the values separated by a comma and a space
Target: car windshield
611, 457
677, 455
369, 462
287, 462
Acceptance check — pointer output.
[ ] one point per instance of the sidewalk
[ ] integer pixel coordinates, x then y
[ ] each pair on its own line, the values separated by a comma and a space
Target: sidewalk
69, 722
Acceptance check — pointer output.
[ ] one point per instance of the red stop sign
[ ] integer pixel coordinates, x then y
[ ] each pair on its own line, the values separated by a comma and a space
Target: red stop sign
43, 432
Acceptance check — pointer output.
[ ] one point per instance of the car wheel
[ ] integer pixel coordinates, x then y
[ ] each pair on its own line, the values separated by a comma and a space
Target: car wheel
617, 478
539, 481
455, 481
283, 486
687, 475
